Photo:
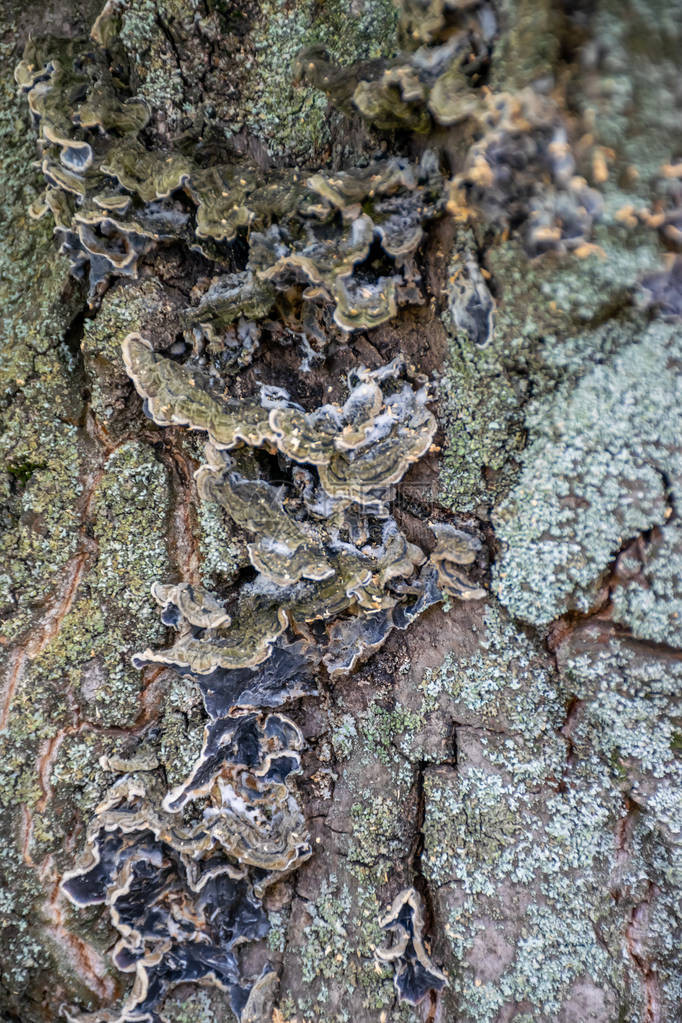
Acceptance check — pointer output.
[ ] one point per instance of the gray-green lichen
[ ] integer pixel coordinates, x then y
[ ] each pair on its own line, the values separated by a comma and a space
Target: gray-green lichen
295, 119
74, 585
601, 468
526, 839
534, 345
647, 596
246, 86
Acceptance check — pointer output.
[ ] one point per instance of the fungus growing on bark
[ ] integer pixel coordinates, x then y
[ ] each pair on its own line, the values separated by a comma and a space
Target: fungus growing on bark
516, 142
352, 640
415, 975
183, 894
181, 901
396, 99
364, 303
284, 551
243, 644
413, 90
239, 298
311, 230
472, 307
424, 21
173, 395
663, 289
285, 676
454, 547
189, 604
522, 143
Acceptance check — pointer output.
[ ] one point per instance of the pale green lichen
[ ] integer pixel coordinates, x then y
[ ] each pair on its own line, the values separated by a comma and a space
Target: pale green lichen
40, 489
506, 683
294, 119
534, 346
198, 1005
519, 839
122, 310
594, 477
652, 606
182, 730
631, 717
494, 849
220, 557
633, 68
41, 460
338, 955
343, 737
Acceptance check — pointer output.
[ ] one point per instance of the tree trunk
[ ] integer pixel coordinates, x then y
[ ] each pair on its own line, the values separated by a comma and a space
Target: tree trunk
514, 758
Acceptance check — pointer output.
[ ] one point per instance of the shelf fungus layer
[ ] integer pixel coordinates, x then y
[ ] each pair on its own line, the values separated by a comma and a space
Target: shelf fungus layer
517, 170
415, 975
334, 576
114, 200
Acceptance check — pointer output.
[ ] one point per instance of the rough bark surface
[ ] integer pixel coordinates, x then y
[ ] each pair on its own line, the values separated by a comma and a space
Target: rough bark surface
515, 759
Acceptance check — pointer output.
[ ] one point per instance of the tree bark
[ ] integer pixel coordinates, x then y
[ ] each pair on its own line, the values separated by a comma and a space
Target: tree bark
514, 759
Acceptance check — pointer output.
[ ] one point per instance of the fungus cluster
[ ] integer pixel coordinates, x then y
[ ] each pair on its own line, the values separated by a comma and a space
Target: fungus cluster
520, 172
517, 171
434, 86
326, 253
415, 974
332, 564
183, 872
662, 289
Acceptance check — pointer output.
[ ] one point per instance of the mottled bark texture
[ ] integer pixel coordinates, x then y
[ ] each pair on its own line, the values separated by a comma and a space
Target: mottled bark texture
515, 759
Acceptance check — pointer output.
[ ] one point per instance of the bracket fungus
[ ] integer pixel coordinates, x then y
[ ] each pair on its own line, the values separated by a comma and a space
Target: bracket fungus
520, 171
180, 904
334, 577
472, 307
517, 171
114, 200
415, 975
435, 84
455, 547
327, 593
